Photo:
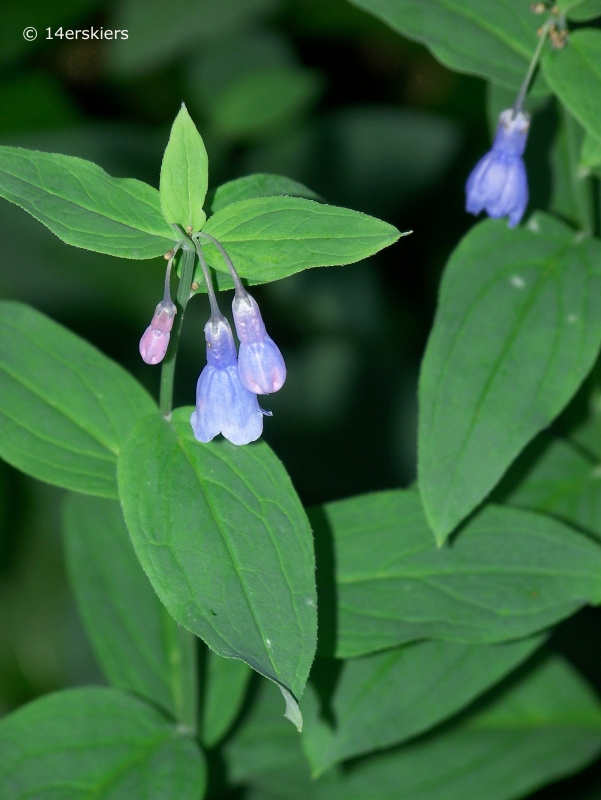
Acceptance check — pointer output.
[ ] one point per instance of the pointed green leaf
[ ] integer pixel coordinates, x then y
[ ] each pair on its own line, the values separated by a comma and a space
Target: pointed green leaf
96, 743
184, 174
226, 682
494, 40
517, 329
574, 74
386, 698
258, 185
226, 544
83, 205
562, 480
543, 725
138, 645
65, 408
269, 238
507, 574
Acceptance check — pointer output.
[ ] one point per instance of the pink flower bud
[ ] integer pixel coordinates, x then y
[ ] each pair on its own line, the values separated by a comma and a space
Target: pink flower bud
154, 342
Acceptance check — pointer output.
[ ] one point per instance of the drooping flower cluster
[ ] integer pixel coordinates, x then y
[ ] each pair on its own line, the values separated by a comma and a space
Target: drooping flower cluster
227, 389
498, 183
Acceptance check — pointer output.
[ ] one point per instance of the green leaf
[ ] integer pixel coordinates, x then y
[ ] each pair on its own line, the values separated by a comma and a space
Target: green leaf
574, 74
562, 481
226, 682
570, 197
542, 726
386, 698
493, 40
65, 408
184, 175
226, 544
518, 327
269, 238
582, 10
138, 645
265, 101
258, 185
590, 154
83, 205
100, 743
508, 573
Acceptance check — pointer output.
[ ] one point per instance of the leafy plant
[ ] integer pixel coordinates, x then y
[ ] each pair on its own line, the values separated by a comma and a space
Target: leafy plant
407, 634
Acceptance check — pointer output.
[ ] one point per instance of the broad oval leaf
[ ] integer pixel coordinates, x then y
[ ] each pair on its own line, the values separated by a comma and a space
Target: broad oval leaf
260, 184
508, 573
137, 643
93, 742
574, 74
225, 685
184, 174
517, 329
544, 724
581, 10
65, 408
494, 40
387, 698
226, 544
269, 238
83, 205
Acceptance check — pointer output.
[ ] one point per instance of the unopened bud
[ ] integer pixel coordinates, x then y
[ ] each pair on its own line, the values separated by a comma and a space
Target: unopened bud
154, 342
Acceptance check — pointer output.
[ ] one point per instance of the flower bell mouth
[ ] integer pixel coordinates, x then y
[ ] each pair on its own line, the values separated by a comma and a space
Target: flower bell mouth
498, 183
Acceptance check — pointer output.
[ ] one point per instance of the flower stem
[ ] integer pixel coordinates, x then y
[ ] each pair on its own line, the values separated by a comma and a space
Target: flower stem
215, 312
519, 102
181, 301
240, 290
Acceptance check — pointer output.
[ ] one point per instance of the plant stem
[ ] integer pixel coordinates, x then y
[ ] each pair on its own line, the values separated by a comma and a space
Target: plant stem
181, 301
240, 290
581, 186
519, 101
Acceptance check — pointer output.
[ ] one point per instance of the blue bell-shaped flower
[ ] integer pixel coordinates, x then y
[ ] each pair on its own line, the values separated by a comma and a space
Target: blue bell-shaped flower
223, 404
498, 183
260, 362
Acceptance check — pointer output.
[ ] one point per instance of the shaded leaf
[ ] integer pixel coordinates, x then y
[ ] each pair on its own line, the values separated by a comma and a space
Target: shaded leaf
563, 481
493, 40
226, 544
226, 683
101, 743
83, 205
574, 74
138, 645
518, 327
65, 408
184, 174
543, 725
507, 574
386, 698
